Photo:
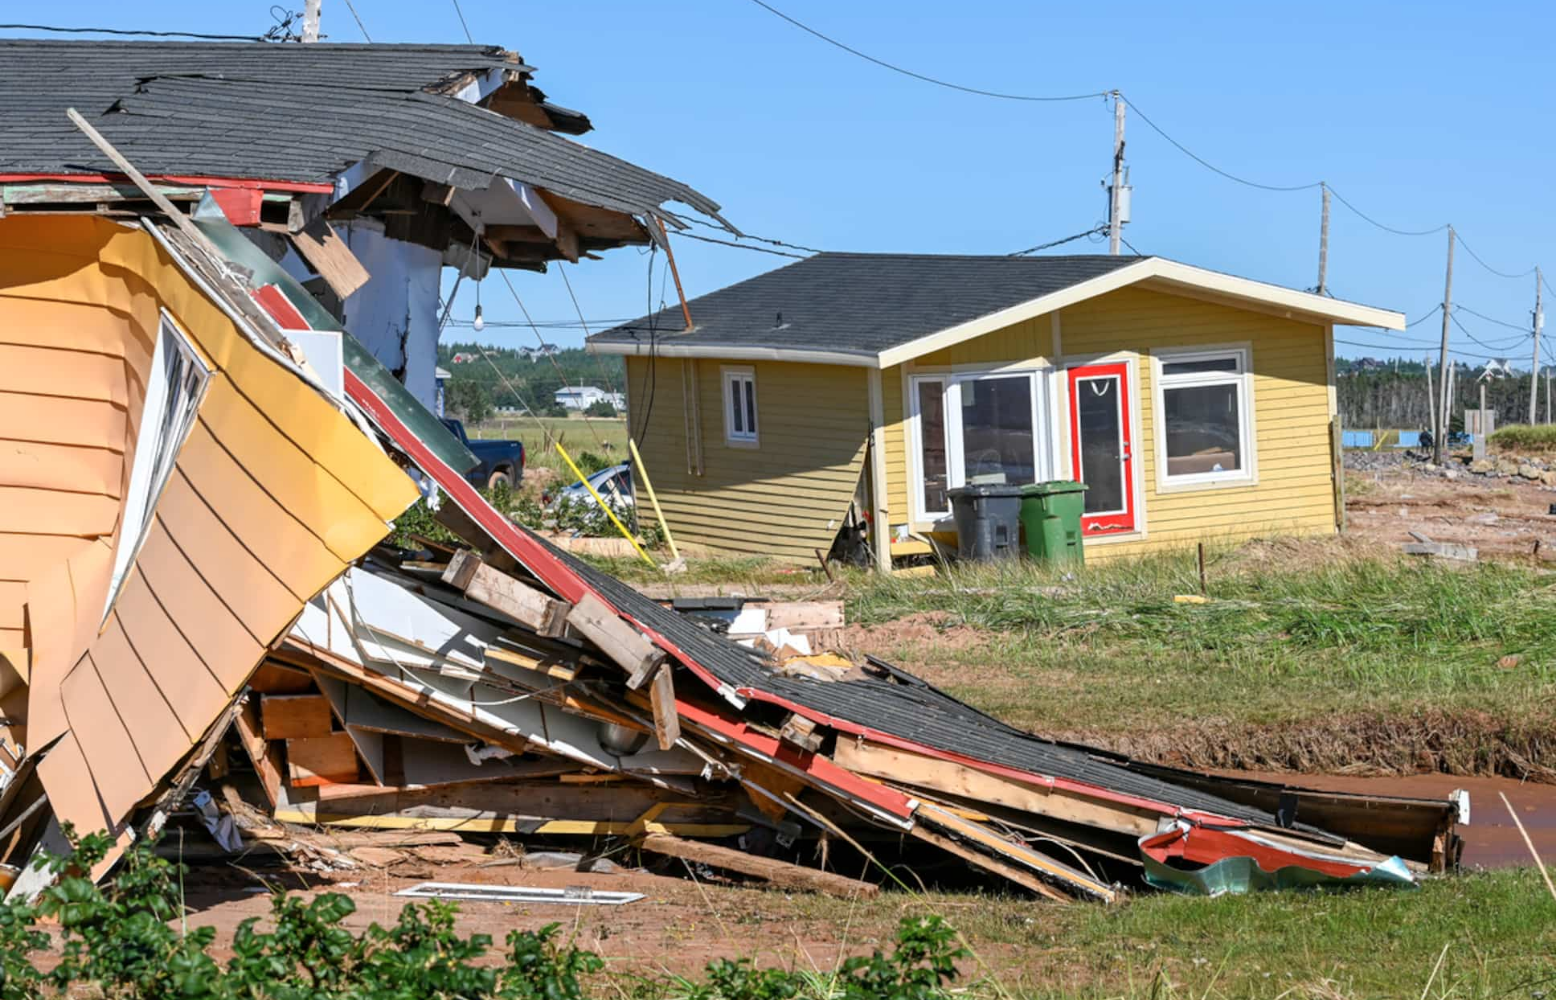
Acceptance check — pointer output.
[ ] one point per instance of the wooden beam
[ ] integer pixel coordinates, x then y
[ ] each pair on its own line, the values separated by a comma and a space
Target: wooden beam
624, 645
266, 758
801, 732
437, 194
490, 586
661, 693
987, 863
779, 873
275, 678
329, 255
900, 766
566, 232
291, 716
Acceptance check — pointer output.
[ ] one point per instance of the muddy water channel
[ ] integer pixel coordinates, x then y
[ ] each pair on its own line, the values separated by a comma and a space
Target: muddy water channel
1490, 840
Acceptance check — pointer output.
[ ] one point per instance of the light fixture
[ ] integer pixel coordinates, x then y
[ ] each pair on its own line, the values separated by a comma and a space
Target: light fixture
480, 323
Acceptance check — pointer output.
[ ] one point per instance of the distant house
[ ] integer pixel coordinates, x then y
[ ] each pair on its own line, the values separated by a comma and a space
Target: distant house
862, 387
536, 353
464, 357
581, 397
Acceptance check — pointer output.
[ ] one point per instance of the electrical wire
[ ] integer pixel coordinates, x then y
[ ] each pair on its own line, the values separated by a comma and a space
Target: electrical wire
599, 359
1186, 151
1482, 263
1054, 243
358, 18
920, 76
1490, 347
549, 357
1388, 229
462, 23
1131, 246
759, 239
1457, 307
740, 246
122, 31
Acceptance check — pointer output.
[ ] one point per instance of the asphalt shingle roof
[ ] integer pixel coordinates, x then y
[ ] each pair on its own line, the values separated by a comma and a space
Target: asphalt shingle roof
862, 303
292, 112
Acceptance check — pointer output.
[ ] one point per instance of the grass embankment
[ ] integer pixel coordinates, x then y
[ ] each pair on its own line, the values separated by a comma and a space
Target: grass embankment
1325, 945
1306, 657
1524, 439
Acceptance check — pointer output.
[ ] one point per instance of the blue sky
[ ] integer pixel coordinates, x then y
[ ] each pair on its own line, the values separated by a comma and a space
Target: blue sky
1439, 113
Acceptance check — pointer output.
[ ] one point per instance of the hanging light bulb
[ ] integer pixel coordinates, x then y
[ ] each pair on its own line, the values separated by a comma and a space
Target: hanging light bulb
480, 323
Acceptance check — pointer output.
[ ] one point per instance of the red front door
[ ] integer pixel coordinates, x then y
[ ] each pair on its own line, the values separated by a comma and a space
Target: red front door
1102, 453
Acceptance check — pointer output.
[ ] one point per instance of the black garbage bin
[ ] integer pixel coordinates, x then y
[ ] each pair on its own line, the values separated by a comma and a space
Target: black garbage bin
988, 521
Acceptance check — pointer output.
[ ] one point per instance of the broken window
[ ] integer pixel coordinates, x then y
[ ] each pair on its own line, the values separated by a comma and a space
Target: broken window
175, 385
739, 405
1203, 399
976, 427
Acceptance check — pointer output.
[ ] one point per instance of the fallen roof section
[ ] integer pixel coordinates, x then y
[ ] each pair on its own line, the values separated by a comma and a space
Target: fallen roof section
879, 310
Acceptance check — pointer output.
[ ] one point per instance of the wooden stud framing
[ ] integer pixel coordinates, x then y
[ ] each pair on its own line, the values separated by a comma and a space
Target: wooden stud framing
619, 641
487, 585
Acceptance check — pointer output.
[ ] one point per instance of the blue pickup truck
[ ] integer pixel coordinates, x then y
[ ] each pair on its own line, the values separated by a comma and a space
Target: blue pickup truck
501, 461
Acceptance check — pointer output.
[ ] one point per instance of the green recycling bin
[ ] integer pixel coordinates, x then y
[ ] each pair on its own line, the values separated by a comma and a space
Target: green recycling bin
1051, 518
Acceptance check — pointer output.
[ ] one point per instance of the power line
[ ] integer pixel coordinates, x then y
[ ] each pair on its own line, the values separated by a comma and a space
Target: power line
1511, 326
1068, 239
742, 246
759, 239
920, 76
1388, 229
1501, 347
1206, 163
542, 342
122, 31
358, 18
462, 23
1500, 274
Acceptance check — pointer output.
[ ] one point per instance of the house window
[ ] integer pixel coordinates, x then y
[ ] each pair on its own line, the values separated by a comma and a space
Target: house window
1204, 423
976, 428
740, 406
174, 387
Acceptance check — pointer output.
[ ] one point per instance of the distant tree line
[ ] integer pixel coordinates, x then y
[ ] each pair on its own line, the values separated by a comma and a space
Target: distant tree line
1373, 394
476, 387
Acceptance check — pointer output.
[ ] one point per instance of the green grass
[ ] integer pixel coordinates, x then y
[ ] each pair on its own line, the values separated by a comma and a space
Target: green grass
1107, 648
604, 437
1359, 943
1524, 438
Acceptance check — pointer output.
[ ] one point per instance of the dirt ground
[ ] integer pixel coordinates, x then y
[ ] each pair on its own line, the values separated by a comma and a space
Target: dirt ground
1502, 517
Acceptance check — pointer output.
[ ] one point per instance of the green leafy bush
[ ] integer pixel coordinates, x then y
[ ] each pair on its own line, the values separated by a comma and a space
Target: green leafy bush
120, 941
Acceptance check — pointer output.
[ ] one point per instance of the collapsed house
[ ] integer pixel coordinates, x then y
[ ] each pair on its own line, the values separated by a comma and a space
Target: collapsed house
201, 465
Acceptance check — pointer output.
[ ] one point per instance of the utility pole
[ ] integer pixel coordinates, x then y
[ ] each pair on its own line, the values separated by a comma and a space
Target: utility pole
1323, 246
311, 20
1534, 372
1445, 408
1116, 191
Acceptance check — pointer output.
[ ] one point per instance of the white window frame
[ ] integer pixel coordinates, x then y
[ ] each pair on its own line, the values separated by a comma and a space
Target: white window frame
1040, 381
729, 376
157, 445
1248, 474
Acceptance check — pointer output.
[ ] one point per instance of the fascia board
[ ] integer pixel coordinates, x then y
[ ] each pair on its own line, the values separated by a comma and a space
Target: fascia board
856, 359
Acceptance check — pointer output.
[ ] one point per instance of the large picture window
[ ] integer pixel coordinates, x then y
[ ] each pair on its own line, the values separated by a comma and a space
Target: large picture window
976, 428
1204, 403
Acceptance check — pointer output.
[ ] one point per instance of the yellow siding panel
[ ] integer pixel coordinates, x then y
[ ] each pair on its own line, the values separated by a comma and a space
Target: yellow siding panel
785, 497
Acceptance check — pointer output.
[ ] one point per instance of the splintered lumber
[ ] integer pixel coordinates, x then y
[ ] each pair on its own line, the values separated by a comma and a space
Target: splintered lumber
628, 648
497, 590
904, 768
328, 254
292, 716
800, 732
266, 757
322, 760
661, 694
979, 844
804, 616
779, 873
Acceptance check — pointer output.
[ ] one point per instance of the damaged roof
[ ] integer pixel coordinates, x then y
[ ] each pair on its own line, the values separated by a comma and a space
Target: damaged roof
304, 113
879, 309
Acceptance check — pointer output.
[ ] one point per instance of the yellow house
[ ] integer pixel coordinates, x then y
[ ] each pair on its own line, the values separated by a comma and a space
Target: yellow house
854, 390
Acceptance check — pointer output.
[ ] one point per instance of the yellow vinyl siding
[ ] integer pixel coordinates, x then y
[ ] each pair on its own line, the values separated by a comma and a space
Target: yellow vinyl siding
256, 518
1294, 493
785, 496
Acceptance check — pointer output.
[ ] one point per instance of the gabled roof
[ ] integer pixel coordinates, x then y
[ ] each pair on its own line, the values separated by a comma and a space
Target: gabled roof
305, 113
878, 310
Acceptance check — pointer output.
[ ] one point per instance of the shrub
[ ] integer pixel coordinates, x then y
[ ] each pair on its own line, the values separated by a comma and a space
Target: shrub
1522, 437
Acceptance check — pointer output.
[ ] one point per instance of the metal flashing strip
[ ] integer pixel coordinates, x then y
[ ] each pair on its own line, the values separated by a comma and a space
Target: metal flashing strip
573, 895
